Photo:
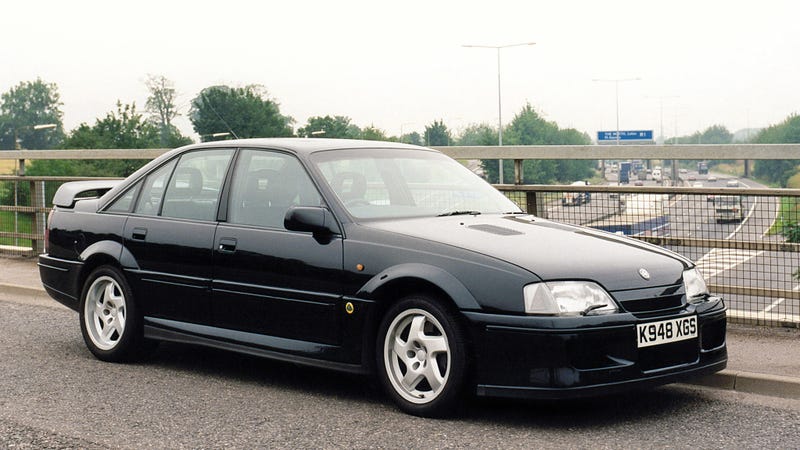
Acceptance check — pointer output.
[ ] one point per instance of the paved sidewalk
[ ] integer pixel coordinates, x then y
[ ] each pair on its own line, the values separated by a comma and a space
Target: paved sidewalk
761, 360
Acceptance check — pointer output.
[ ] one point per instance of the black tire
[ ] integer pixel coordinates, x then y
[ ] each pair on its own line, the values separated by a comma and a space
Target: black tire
111, 323
435, 352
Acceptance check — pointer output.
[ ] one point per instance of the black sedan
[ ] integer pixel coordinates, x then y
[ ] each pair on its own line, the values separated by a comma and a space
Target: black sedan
373, 257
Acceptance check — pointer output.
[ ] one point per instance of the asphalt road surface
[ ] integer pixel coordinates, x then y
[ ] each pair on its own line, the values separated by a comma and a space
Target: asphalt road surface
54, 394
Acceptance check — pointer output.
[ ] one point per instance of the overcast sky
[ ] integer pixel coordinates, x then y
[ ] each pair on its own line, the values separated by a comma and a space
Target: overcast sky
402, 64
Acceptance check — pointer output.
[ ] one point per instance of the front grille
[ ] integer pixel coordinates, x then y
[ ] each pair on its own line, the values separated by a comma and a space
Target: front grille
652, 300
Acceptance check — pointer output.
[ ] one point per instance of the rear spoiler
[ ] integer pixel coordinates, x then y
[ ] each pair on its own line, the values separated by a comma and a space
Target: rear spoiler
67, 192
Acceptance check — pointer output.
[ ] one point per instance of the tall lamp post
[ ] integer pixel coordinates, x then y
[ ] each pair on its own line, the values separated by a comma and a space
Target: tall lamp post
499, 97
616, 82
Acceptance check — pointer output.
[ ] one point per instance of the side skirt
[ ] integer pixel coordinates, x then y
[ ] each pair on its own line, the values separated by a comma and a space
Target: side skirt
155, 332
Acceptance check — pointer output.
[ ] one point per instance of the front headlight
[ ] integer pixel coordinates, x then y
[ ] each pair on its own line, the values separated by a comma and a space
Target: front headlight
695, 286
567, 298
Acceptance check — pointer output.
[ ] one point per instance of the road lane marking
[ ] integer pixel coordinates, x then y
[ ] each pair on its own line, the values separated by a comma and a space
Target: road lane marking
719, 260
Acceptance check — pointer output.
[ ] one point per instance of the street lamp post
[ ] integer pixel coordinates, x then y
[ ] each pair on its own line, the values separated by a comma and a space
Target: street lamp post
616, 82
499, 97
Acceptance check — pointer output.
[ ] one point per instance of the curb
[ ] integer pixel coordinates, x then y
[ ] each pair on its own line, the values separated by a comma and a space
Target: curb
16, 289
752, 383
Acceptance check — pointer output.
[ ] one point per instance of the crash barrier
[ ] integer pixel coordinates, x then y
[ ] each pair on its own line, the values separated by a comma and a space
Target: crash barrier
742, 239
744, 244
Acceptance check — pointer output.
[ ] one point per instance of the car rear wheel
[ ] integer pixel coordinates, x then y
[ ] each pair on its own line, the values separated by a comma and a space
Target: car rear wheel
110, 322
422, 356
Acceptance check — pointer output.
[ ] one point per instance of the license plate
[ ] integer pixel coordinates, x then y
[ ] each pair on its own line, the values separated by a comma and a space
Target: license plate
666, 331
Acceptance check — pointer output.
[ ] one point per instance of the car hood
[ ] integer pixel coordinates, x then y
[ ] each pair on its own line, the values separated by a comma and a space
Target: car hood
551, 250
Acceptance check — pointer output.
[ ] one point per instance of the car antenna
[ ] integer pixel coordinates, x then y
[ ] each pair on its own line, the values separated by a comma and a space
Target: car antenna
220, 117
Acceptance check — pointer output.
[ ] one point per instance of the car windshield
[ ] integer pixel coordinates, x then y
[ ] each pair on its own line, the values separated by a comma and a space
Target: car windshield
384, 183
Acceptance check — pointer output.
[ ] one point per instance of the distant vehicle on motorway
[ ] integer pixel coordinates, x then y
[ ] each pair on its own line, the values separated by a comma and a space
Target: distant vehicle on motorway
657, 175
728, 208
374, 258
638, 183
732, 183
576, 198
711, 178
624, 172
692, 177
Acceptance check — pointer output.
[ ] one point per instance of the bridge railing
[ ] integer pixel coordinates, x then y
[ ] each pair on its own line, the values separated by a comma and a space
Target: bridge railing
740, 243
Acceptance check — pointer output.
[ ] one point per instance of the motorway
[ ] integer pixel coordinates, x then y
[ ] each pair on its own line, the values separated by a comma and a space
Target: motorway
692, 216
55, 394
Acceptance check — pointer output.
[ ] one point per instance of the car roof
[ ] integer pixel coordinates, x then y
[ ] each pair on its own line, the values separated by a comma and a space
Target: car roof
308, 145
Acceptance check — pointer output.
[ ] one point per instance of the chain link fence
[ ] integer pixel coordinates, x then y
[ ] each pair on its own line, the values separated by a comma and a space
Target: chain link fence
743, 240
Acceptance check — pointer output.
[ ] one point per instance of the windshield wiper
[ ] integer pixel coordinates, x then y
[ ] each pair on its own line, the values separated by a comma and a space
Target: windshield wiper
459, 213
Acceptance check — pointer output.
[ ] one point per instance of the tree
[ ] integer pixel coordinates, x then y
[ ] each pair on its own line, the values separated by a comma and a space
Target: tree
715, 134
161, 106
478, 134
437, 134
26, 106
780, 170
245, 112
413, 138
125, 128
329, 127
529, 128
373, 133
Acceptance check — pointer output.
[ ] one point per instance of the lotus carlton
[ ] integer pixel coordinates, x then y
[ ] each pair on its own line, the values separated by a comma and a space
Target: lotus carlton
373, 258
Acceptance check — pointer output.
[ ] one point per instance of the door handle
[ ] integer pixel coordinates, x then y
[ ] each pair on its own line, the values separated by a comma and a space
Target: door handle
227, 245
139, 234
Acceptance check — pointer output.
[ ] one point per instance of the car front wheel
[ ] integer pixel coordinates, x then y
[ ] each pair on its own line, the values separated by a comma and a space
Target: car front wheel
422, 356
110, 322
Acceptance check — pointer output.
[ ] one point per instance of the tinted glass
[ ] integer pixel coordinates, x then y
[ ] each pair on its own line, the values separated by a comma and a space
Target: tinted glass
265, 185
149, 202
402, 183
194, 188
124, 203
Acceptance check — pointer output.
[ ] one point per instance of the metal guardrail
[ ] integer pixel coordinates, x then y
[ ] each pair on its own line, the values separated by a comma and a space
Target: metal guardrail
754, 269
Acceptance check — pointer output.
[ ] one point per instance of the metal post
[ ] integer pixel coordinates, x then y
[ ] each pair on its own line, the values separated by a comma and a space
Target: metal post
499, 120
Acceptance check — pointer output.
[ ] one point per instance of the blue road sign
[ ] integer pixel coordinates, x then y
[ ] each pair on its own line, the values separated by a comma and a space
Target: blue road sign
625, 135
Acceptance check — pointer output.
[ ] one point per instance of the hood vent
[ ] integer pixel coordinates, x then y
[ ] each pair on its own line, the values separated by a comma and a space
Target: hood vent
494, 229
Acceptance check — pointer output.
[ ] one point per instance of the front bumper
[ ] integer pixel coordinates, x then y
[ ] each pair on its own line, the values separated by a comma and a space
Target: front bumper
567, 357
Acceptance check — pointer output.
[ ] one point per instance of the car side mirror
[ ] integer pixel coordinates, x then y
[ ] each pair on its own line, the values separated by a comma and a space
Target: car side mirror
315, 219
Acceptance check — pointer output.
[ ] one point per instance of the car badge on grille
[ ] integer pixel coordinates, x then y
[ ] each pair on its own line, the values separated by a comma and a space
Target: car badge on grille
644, 274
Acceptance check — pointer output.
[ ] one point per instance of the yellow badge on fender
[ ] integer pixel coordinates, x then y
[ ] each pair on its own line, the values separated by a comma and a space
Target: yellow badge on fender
349, 308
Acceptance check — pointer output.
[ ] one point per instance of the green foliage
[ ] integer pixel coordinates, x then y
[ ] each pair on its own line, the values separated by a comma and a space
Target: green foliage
478, 134
338, 127
125, 128
791, 231
246, 112
26, 105
529, 128
372, 133
780, 170
715, 134
437, 134
413, 138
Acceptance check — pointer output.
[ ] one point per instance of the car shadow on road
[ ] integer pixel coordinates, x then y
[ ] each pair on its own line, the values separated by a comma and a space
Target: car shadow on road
644, 405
